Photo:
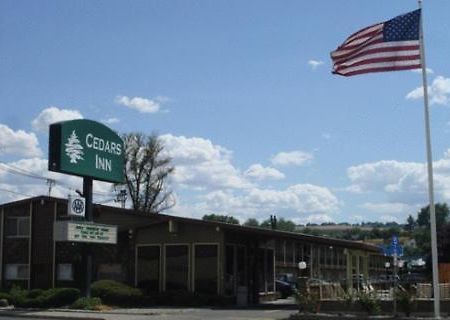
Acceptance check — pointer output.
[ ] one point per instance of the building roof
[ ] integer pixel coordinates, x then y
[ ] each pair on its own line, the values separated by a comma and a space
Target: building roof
161, 218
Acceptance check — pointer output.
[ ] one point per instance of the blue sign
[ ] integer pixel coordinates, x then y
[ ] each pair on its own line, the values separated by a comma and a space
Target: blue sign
394, 242
393, 249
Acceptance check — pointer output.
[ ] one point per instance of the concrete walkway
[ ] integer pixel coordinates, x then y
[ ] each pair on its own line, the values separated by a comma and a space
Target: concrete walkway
153, 314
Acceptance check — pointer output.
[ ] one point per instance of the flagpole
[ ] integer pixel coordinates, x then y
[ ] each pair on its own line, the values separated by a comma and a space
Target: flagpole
434, 254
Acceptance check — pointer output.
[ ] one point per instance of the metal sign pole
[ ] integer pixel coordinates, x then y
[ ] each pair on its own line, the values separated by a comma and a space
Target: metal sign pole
87, 193
394, 291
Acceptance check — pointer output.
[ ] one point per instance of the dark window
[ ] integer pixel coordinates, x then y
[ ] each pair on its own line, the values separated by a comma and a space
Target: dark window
16, 271
289, 252
322, 254
241, 269
17, 226
261, 270
177, 267
270, 276
206, 268
299, 252
229, 282
280, 251
148, 265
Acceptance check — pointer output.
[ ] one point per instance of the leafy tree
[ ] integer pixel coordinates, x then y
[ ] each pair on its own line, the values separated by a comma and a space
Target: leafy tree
146, 173
410, 224
442, 213
282, 225
310, 231
422, 234
443, 242
251, 222
220, 218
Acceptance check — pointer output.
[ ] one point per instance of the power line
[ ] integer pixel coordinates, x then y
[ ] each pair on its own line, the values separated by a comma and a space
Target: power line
18, 193
49, 181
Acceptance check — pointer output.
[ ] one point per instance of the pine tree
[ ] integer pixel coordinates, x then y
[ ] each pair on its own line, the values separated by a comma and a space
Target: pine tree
74, 149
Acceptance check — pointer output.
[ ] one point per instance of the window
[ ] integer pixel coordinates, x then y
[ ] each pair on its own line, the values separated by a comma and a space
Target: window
177, 267
270, 271
289, 252
65, 272
17, 226
16, 272
235, 268
206, 274
148, 265
279, 250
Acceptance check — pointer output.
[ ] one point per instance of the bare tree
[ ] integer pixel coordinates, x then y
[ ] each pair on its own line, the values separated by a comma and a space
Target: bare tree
146, 173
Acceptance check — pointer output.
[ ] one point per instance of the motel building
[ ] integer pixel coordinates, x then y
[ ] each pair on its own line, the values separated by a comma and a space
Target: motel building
41, 246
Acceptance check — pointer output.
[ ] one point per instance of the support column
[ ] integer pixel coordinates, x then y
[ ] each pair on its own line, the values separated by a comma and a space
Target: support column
87, 248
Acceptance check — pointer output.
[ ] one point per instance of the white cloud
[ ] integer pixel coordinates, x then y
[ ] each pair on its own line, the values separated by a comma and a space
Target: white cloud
23, 185
143, 105
51, 115
388, 218
258, 172
314, 64
326, 135
390, 208
110, 120
294, 158
317, 219
385, 175
295, 202
438, 91
200, 164
18, 143
206, 169
402, 182
429, 71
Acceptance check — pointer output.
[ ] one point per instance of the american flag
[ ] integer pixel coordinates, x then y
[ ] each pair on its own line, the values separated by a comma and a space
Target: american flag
388, 46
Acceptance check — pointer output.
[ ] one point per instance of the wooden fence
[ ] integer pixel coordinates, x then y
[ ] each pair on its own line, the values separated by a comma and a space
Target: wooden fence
334, 291
425, 291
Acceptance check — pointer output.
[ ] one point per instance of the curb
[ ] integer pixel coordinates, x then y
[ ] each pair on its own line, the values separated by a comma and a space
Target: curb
22, 314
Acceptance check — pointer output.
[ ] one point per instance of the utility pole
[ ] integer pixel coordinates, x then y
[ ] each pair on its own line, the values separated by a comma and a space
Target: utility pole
121, 197
50, 183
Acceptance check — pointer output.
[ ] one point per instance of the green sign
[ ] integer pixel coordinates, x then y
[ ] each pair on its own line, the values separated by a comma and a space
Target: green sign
86, 148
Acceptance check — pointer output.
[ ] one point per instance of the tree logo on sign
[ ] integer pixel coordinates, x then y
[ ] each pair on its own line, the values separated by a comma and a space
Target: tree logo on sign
74, 149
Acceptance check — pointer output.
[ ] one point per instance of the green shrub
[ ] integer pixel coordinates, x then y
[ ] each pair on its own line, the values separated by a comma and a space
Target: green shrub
34, 293
87, 304
307, 301
369, 302
56, 297
116, 293
18, 295
6, 296
405, 302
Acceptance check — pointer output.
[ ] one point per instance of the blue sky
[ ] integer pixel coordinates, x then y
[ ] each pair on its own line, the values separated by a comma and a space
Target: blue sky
242, 95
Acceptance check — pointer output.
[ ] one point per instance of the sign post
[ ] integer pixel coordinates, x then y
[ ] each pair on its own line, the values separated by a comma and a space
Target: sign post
90, 150
394, 245
87, 193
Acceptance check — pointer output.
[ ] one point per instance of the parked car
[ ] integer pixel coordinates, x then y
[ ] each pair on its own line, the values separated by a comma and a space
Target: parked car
414, 278
285, 289
287, 277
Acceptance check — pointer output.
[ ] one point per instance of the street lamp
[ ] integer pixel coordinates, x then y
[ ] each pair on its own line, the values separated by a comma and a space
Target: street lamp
387, 265
302, 265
